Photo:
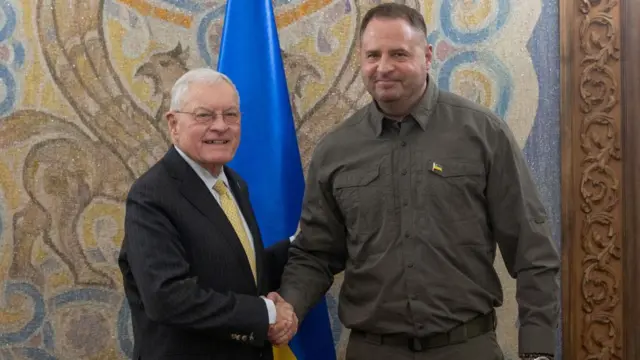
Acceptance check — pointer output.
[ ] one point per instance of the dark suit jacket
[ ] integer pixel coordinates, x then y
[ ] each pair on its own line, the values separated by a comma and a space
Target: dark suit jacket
186, 276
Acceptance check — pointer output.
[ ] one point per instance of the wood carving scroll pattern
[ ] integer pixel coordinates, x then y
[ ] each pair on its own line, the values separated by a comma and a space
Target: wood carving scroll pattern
600, 183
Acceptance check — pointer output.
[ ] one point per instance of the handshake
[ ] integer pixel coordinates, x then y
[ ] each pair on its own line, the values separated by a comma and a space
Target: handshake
286, 324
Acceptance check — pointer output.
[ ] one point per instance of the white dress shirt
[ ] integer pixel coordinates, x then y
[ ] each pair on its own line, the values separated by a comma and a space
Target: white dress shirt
210, 180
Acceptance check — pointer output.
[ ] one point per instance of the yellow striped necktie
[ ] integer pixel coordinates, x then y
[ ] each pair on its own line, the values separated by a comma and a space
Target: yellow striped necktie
233, 214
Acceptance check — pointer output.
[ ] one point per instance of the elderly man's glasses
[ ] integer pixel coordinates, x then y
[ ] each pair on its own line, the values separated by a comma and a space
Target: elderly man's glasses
207, 117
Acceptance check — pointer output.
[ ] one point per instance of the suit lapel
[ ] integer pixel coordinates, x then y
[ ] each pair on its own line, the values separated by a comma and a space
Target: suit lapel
195, 191
240, 193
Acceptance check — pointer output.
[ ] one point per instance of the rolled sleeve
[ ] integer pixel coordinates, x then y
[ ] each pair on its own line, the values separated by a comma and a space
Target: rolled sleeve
520, 227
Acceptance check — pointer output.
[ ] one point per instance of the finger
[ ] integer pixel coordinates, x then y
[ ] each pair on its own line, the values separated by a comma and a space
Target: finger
278, 338
278, 331
284, 339
286, 313
274, 296
283, 305
293, 318
278, 328
284, 330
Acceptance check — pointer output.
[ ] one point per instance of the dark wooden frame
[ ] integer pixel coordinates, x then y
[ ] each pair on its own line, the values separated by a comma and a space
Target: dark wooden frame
631, 175
600, 139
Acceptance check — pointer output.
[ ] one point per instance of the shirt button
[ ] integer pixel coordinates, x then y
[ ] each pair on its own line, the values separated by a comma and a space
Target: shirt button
413, 297
410, 264
403, 143
405, 203
404, 172
406, 235
420, 326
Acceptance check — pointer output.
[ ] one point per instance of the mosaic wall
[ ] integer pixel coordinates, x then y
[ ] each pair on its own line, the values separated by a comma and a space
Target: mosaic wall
84, 84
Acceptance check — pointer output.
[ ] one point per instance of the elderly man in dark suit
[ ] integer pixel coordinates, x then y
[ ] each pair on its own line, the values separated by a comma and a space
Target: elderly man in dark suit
195, 271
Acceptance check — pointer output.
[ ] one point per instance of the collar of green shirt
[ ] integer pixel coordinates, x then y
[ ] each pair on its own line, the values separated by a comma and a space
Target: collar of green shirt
420, 112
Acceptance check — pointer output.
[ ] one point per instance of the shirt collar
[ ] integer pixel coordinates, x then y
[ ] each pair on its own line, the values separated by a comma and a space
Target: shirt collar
204, 174
420, 112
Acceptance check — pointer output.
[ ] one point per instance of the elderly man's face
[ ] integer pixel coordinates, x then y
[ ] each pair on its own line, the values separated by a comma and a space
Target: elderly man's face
207, 126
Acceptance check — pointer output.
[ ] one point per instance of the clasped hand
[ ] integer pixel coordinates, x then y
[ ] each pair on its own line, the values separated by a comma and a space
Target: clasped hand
286, 324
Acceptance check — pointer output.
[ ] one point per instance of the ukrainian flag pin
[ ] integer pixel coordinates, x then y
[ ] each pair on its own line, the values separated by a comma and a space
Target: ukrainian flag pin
436, 168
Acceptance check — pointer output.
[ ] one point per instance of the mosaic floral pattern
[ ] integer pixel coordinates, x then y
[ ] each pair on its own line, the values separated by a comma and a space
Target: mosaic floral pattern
12, 57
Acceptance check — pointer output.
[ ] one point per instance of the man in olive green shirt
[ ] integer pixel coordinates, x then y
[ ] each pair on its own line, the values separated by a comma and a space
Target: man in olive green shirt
409, 197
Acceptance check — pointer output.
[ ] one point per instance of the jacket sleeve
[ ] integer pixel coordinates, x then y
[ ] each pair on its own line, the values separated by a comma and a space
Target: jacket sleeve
520, 226
153, 253
276, 255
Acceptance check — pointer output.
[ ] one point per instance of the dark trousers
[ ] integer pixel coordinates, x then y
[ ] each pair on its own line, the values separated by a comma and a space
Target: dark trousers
482, 347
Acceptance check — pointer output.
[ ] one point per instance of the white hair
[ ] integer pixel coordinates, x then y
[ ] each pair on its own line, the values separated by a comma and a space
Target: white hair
201, 75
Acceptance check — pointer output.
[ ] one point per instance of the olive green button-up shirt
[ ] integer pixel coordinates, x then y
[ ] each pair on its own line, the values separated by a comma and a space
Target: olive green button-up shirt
412, 213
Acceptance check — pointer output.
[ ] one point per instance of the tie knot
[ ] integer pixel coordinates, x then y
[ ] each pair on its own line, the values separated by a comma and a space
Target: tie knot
220, 187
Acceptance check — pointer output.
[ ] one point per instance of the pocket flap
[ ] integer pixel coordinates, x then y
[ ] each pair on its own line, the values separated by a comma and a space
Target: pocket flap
356, 178
451, 168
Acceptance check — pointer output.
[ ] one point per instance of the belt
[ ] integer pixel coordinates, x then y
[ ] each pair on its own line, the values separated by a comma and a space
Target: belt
475, 327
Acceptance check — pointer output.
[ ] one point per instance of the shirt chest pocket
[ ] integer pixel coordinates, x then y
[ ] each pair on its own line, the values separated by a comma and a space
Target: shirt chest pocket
360, 195
455, 189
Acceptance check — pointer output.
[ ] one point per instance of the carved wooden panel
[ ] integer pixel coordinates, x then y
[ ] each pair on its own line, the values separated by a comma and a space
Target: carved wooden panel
592, 180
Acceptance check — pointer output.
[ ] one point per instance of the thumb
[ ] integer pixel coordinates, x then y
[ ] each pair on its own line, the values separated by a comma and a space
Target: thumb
274, 296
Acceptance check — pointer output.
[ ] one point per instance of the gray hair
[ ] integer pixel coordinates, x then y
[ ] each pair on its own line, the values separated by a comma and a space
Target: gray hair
201, 75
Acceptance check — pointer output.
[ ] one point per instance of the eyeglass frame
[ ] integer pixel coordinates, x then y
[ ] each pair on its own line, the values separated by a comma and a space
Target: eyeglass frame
213, 116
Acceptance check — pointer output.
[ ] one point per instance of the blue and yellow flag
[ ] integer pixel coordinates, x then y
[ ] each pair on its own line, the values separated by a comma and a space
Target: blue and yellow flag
268, 157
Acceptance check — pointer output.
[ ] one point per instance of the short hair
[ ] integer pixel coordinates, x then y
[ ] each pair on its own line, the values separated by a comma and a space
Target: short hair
201, 75
394, 11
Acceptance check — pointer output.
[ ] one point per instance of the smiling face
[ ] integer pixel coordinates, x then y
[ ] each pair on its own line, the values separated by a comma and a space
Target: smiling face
207, 125
394, 59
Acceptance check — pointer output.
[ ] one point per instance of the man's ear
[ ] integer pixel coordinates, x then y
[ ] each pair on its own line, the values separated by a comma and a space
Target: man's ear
428, 52
172, 122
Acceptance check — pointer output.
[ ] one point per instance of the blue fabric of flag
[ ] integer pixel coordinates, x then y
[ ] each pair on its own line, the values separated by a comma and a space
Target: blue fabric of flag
268, 156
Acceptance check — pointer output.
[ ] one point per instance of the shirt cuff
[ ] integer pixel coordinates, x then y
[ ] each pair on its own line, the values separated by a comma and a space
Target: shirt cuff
536, 340
271, 309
